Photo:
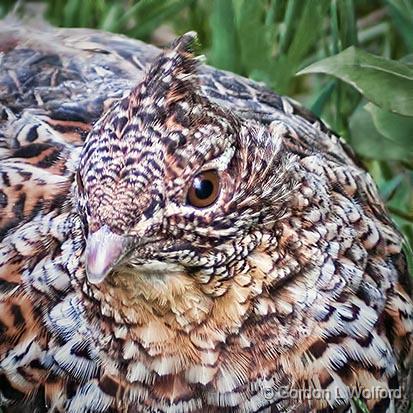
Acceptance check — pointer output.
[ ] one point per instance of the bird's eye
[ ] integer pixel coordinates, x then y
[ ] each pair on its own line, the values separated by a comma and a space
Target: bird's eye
204, 189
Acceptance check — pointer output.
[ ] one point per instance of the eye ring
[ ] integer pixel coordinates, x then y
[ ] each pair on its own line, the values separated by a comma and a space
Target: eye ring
204, 189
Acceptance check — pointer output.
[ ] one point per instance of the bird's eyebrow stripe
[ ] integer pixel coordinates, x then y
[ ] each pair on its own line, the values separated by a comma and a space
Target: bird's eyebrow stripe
222, 161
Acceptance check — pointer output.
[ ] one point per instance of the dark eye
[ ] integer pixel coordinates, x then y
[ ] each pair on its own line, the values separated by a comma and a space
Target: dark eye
204, 189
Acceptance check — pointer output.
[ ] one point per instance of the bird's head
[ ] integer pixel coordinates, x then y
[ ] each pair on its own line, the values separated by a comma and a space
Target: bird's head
170, 183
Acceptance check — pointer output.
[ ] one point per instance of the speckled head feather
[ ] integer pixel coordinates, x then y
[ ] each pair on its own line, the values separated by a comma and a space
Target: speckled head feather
122, 136
140, 160
210, 246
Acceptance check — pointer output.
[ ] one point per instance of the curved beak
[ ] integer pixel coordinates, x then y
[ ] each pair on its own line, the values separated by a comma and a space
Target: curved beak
103, 251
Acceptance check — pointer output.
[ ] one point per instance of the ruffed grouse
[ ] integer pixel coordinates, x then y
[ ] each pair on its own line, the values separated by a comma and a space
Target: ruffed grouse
175, 238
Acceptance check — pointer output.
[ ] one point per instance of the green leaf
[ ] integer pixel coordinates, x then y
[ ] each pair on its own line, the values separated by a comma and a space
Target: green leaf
401, 12
146, 15
308, 30
402, 199
111, 18
253, 35
396, 128
387, 83
86, 14
348, 25
224, 52
318, 103
70, 12
292, 12
408, 59
369, 143
407, 244
387, 188
361, 405
303, 26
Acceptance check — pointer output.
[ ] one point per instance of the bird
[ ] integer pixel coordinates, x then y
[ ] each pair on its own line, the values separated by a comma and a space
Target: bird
176, 238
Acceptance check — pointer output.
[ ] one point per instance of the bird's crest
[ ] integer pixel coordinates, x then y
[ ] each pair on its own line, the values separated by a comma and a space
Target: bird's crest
172, 77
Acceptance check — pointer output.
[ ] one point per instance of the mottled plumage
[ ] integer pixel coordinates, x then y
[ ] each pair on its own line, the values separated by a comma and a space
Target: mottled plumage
175, 238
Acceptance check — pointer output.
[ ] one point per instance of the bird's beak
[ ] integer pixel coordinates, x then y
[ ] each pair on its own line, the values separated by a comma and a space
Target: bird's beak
103, 251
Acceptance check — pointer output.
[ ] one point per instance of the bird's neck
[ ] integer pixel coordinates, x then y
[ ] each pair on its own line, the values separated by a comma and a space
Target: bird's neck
173, 325
163, 308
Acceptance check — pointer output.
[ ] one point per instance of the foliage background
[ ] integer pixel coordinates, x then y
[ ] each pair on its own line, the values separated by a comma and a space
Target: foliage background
271, 40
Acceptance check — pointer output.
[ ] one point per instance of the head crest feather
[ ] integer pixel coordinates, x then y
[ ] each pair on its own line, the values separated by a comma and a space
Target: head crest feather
172, 76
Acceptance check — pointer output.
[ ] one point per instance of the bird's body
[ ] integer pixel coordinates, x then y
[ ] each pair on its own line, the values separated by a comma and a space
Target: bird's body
212, 247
